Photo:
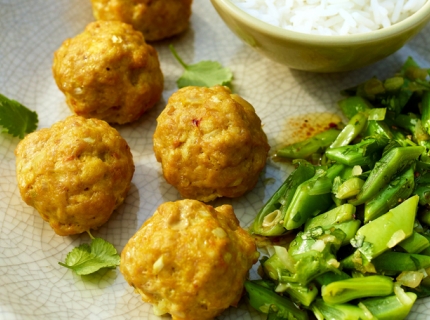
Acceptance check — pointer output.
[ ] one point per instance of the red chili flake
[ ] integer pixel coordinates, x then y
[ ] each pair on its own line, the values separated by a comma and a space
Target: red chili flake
196, 122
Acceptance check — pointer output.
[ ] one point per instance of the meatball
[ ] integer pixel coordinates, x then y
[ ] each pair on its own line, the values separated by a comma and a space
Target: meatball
210, 143
74, 173
156, 19
189, 259
108, 72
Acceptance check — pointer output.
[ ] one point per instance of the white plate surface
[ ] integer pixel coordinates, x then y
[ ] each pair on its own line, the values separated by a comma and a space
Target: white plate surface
32, 284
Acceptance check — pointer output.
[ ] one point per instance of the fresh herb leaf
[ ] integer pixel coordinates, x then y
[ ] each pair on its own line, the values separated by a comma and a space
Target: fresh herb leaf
16, 119
89, 258
203, 73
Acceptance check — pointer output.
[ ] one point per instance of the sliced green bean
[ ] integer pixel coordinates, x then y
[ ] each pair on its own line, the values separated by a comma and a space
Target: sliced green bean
391, 307
413, 124
401, 261
378, 129
350, 229
399, 189
352, 105
304, 149
390, 164
354, 127
415, 243
304, 295
388, 230
314, 251
304, 204
349, 188
262, 299
335, 216
324, 310
270, 218
364, 153
349, 289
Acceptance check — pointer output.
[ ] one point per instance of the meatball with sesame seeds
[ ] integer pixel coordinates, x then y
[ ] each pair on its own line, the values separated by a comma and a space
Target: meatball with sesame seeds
108, 72
189, 259
210, 143
75, 174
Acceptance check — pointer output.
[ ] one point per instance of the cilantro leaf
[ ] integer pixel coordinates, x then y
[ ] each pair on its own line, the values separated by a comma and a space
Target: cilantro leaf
203, 73
87, 259
16, 119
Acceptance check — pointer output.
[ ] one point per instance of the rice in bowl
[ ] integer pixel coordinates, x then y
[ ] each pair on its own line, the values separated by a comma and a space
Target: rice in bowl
331, 17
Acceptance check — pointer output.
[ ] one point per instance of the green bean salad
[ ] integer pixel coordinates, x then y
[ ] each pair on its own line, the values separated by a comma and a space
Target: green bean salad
356, 209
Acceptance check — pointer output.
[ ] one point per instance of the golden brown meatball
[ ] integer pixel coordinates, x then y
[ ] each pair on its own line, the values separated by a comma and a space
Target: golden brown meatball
156, 19
74, 173
108, 72
210, 143
189, 259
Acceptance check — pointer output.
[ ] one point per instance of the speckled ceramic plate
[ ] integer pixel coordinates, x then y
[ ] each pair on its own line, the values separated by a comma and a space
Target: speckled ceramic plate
32, 283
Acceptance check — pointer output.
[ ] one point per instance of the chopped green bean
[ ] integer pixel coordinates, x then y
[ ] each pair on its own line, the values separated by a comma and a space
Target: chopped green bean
354, 127
350, 106
388, 230
393, 162
401, 261
304, 149
324, 310
333, 217
415, 243
399, 189
364, 153
350, 229
304, 204
389, 308
349, 188
303, 295
349, 289
269, 220
262, 299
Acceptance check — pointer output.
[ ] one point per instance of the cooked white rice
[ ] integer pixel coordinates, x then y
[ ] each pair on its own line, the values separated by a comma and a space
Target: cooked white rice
331, 17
